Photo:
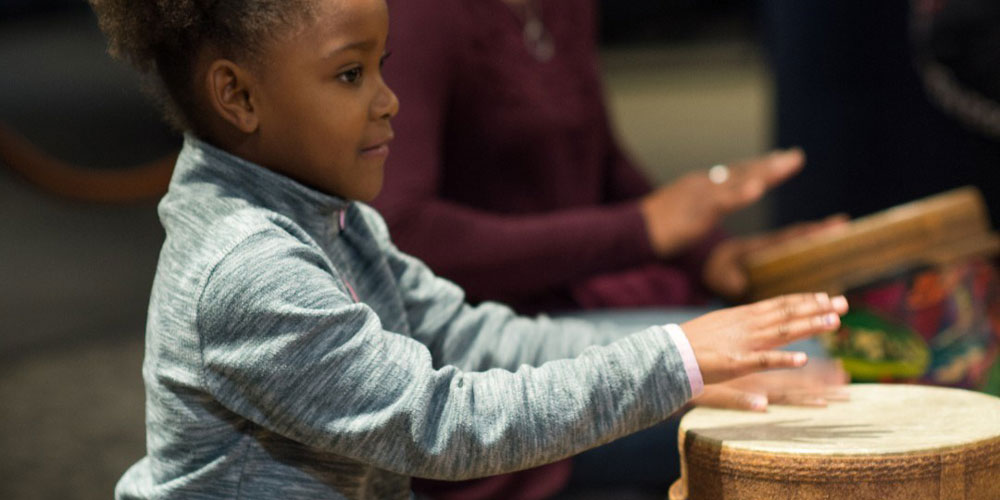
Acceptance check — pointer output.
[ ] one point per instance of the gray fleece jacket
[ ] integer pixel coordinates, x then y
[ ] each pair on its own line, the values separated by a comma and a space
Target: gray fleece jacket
293, 352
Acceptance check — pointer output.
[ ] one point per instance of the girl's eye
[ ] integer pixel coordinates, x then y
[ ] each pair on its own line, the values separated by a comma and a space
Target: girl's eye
381, 62
352, 75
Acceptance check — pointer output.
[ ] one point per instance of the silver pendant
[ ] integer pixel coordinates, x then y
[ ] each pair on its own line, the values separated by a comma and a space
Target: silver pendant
537, 40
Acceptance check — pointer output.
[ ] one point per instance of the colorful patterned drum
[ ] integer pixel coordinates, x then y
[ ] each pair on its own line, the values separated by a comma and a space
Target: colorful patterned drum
889, 442
937, 326
923, 286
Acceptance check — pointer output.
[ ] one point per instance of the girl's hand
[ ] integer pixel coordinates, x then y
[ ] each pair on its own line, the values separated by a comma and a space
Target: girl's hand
681, 213
733, 342
816, 384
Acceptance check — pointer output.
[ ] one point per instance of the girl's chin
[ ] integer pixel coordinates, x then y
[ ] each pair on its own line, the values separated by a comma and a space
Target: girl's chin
369, 190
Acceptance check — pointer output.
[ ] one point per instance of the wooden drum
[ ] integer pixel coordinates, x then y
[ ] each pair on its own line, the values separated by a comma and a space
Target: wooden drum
924, 289
889, 442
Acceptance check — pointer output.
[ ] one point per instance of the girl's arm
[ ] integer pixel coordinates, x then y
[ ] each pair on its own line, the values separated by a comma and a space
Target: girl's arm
489, 335
288, 349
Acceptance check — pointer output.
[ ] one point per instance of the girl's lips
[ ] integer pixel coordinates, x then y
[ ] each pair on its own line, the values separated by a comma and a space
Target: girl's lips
379, 149
382, 150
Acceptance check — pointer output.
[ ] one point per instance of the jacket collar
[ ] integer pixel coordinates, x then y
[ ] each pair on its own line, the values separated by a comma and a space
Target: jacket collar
200, 162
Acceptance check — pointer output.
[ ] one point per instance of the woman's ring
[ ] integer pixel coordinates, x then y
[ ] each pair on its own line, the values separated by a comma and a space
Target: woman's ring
718, 174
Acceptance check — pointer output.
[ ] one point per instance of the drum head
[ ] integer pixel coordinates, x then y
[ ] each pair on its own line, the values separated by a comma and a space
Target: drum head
878, 419
889, 442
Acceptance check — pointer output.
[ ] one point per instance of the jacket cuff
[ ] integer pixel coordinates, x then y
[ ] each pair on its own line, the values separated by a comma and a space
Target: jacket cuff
680, 340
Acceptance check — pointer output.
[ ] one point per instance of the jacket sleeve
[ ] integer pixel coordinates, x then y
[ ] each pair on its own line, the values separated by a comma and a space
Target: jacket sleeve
489, 335
284, 346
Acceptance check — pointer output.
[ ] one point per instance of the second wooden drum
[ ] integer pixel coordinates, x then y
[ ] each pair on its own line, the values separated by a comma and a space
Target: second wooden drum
889, 442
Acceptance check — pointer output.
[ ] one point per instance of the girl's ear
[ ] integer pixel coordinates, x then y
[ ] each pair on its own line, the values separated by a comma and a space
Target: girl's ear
230, 93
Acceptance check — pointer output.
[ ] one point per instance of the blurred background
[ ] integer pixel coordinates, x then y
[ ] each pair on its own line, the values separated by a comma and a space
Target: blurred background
690, 84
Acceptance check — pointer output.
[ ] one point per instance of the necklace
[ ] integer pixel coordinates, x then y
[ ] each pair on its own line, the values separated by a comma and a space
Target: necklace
537, 39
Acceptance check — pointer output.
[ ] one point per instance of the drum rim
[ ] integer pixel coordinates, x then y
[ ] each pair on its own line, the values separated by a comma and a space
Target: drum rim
707, 456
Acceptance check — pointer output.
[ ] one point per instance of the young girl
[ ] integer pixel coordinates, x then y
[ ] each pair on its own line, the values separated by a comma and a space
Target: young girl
293, 352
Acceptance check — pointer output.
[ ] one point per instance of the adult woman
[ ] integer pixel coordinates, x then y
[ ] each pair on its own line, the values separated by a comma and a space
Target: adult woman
506, 177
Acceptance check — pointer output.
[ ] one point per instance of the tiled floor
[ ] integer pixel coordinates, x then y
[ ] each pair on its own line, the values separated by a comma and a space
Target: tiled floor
75, 278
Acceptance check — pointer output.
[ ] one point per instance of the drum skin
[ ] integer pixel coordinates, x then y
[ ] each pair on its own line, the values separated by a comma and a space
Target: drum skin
889, 442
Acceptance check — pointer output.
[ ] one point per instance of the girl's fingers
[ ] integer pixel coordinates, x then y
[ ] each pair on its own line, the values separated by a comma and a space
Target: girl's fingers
785, 307
800, 387
837, 394
720, 396
734, 342
795, 306
789, 318
790, 331
798, 398
718, 367
772, 360
827, 372
840, 305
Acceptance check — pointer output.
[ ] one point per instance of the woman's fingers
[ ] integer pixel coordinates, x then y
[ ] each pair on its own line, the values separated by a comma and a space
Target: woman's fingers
778, 166
745, 182
772, 169
738, 193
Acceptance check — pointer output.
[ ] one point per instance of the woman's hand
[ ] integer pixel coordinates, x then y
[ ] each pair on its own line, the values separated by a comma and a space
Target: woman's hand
724, 272
683, 212
815, 384
737, 341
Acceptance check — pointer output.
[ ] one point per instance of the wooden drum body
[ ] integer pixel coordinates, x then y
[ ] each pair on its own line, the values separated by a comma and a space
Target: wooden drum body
889, 442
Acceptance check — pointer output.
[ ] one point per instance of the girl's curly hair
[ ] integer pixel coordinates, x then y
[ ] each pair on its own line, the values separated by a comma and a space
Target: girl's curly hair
162, 39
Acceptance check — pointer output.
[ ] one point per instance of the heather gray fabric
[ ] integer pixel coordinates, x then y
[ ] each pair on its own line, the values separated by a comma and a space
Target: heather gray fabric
266, 379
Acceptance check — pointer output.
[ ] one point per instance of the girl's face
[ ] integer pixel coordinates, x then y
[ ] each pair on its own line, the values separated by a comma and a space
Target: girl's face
322, 105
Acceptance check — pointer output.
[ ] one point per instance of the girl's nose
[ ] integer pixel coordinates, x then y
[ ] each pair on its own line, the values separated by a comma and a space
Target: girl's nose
386, 104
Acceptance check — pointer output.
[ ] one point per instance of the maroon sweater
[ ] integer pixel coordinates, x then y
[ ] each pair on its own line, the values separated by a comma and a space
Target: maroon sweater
505, 176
